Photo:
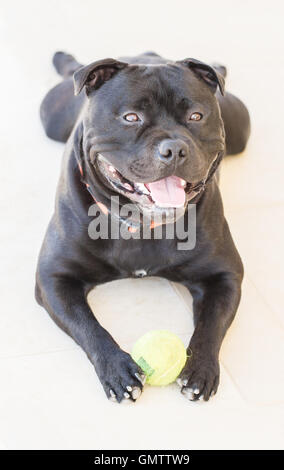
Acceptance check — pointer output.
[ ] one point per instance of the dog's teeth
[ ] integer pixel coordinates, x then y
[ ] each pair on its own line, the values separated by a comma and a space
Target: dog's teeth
142, 188
183, 183
128, 186
112, 169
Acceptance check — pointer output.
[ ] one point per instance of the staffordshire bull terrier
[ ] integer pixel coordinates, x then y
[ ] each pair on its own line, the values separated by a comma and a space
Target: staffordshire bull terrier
151, 133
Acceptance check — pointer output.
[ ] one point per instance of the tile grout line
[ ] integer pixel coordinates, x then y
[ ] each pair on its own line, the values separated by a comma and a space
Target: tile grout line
178, 294
234, 382
238, 207
16, 356
243, 398
266, 302
248, 403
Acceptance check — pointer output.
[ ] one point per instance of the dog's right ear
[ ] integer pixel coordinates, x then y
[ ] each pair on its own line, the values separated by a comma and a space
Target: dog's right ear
96, 74
213, 76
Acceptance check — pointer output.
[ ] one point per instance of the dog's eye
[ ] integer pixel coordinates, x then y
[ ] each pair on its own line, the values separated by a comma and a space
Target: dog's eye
131, 117
195, 117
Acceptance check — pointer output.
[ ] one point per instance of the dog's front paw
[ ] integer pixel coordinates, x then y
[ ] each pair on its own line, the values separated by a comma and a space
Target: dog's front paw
199, 378
121, 378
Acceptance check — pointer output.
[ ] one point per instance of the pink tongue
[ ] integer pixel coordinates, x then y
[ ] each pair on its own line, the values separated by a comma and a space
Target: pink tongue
167, 192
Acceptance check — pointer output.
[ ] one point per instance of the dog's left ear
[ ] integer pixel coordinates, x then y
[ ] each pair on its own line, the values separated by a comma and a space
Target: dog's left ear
211, 75
96, 74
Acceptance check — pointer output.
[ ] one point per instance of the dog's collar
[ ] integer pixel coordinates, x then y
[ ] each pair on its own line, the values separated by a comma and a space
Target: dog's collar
202, 185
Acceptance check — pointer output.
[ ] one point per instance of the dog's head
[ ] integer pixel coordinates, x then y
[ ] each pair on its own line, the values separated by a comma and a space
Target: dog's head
151, 132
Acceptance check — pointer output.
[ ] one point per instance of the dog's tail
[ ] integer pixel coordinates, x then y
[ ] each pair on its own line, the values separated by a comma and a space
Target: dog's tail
65, 64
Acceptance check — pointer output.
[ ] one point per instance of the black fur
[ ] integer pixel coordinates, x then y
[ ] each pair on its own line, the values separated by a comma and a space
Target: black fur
71, 263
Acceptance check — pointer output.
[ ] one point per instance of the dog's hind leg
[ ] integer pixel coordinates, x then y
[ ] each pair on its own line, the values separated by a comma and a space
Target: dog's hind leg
236, 122
60, 108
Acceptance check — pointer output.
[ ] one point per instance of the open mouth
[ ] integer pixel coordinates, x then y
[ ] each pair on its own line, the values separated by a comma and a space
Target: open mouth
163, 195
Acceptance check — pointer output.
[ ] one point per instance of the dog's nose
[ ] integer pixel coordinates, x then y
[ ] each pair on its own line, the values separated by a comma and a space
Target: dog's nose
170, 149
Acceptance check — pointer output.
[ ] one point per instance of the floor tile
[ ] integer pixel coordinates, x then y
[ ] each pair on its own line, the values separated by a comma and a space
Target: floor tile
50, 396
254, 348
258, 232
143, 305
55, 401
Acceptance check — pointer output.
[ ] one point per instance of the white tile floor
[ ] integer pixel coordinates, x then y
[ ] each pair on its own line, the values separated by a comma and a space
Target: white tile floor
49, 394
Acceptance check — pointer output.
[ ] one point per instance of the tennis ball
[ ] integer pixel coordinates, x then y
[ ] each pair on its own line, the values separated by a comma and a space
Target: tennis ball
161, 355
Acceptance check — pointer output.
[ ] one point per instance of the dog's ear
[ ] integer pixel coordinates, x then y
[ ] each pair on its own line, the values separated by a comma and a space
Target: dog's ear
213, 76
94, 75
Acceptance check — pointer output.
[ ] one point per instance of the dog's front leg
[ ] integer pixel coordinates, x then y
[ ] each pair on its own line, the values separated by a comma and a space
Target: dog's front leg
215, 302
65, 300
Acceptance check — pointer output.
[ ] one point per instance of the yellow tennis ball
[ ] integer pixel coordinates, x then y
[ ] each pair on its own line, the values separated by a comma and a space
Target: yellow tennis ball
161, 355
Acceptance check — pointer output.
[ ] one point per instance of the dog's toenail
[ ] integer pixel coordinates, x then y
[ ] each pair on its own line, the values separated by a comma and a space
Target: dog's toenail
126, 395
136, 392
196, 391
184, 382
201, 397
141, 378
187, 393
112, 396
129, 388
112, 169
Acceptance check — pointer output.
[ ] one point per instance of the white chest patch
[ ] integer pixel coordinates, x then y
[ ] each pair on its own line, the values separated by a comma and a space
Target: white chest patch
140, 273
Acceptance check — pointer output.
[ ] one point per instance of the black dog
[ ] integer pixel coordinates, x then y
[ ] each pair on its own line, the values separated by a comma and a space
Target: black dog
152, 132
